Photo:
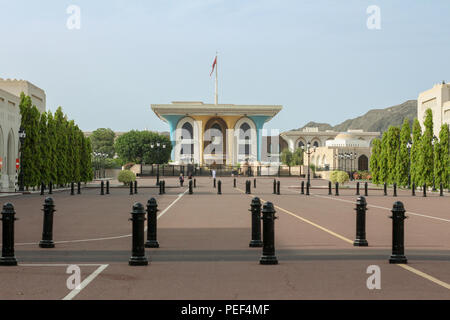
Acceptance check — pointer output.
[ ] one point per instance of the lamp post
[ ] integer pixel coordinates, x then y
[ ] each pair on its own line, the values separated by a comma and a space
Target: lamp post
409, 146
22, 136
433, 142
309, 153
157, 149
100, 163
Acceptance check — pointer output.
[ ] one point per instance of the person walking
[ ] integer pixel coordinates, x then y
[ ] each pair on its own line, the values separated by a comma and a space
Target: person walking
181, 179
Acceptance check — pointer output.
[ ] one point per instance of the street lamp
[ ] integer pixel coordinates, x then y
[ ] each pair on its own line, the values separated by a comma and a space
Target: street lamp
433, 142
157, 149
309, 153
22, 136
409, 146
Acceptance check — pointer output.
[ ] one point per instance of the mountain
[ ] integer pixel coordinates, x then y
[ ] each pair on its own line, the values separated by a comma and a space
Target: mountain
375, 120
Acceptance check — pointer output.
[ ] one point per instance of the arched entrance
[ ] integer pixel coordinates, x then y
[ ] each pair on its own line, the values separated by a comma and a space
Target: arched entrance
215, 142
363, 163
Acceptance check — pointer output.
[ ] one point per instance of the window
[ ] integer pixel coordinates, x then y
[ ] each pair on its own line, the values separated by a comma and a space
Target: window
244, 134
187, 134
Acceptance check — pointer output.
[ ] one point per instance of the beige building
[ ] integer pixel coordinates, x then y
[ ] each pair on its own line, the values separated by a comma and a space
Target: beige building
10, 124
349, 151
438, 100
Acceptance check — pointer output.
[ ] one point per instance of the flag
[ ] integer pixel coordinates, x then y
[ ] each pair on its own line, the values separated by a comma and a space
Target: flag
213, 66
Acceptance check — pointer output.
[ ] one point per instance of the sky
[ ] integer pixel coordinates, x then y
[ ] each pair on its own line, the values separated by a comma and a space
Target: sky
318, 59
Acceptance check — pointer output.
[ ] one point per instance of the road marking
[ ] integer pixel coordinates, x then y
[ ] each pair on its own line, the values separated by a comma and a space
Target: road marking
424, 275
85, 282
309, 222
374, 206
58, 264
406, 267
107, 238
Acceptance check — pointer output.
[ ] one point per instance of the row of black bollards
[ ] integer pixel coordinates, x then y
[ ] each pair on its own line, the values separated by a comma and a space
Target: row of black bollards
276, 187
268, 220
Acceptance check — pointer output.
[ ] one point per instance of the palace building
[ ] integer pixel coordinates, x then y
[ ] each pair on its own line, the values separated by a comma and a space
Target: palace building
207, 134
10, 124
438, 100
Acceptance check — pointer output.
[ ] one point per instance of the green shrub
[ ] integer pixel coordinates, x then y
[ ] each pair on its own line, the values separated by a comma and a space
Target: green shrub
339, 176
126, 176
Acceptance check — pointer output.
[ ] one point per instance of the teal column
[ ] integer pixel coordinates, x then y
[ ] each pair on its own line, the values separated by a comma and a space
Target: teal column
259, 123
173, 121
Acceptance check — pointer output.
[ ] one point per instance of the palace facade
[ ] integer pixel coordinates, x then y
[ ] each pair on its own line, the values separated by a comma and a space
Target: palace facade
216, 134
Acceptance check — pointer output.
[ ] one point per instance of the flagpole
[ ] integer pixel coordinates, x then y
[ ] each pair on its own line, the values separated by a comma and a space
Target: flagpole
217, 81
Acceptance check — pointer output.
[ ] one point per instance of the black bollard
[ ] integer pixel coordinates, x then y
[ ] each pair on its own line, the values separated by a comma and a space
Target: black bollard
361, 208
357, 188
79, 188
102, 188
219, 187
268, 218
42, 188
152, 209
249, 187
254, 183
329, 188
307, 188
107, 187
234, 183
274, 186
303, 188
255, 209
413, 189
72, 189
138, 257
195, 183
398, 234
366, 189
135, 187
47, 233
190, 187
214, 183
160, 187
8, 258
50, 188
395, 189
337, 189
278, 187
131, 188
385, 189
441, 190
164, 186
424, 189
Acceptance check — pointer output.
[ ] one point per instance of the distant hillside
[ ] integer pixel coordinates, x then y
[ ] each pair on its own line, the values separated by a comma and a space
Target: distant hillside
375, 120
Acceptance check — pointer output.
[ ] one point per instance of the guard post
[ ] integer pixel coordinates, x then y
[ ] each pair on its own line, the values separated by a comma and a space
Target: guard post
152, 209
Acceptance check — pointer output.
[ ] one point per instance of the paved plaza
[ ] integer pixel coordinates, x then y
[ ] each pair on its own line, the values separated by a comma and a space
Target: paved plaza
204, 245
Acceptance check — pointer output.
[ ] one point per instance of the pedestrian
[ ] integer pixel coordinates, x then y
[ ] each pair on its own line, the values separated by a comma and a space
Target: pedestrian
214, 174
181, 179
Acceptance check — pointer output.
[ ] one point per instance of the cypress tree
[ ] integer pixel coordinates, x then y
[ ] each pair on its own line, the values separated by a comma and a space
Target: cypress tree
375, 161
442, 158
383, 164
393, 144
62, 146
415, 153
403, 156
26, 149
426, 150
52, 148
45, 152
